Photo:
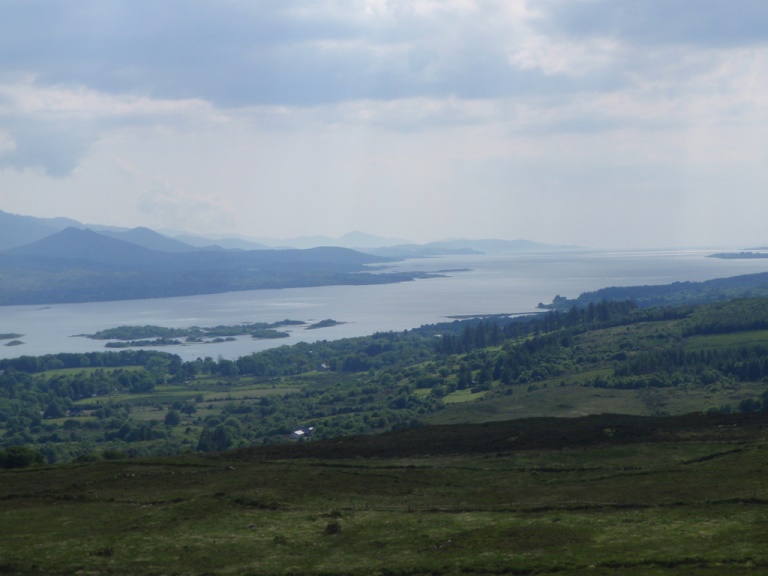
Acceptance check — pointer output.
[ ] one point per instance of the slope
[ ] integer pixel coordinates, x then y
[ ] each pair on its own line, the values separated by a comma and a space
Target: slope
686, 496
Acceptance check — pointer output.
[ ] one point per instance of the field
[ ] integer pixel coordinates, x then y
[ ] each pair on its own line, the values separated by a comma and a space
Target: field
596, 495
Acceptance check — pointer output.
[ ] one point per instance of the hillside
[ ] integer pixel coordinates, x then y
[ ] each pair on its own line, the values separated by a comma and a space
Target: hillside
80, 265
675, 294
83, 247
18, 230
150, 239
630, 496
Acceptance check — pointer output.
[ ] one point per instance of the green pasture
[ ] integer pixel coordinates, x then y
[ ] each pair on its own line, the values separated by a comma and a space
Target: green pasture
462, 396
549, 400
710, 341
88, 370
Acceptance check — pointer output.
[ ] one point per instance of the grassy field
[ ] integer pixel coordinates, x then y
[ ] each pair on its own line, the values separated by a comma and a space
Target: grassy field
752, 337
622, 496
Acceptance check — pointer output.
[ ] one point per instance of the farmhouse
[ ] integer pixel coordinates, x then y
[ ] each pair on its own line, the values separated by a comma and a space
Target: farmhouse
299, 433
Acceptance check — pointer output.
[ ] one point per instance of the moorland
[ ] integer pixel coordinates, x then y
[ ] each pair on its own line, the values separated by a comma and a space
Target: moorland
594, 495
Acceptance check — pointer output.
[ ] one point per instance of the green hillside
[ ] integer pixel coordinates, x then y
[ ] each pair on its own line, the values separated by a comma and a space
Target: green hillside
598, 495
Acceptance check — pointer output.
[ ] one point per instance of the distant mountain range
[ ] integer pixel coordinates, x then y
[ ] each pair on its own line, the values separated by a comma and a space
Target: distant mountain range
152, 240
465, 246
354, 240
45, 261
18, 230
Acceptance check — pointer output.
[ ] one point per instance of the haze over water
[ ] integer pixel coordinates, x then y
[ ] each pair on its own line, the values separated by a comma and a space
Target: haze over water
494, 284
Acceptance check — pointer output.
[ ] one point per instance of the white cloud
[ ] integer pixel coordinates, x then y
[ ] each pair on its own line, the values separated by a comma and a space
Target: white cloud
564, 57
7, 143
30, 97
52, 127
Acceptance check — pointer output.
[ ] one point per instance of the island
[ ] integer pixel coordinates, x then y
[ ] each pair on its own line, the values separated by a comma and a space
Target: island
739, 255
151, 335
323, 324
268, 334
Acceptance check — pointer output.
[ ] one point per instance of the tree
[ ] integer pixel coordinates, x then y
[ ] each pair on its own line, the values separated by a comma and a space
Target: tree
20, 457
172, 418
56, 409
216, 439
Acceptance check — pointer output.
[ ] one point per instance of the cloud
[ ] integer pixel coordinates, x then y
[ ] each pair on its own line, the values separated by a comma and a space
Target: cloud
702, 23
52, 127
238, 54
166, 205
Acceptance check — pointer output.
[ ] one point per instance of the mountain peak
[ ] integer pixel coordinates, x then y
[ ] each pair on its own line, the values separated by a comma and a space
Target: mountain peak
85, 244
147, 238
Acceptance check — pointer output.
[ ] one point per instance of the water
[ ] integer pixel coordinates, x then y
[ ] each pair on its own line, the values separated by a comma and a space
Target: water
495, 284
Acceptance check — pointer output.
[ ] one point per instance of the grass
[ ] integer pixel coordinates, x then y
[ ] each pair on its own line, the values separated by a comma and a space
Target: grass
552, 400
460, 396
692, 500
712, 341
48, 374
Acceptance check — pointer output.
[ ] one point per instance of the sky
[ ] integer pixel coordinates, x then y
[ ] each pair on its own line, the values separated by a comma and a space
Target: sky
600, 123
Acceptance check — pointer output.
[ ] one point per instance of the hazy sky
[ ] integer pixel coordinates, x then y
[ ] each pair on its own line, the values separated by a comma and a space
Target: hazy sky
605, 123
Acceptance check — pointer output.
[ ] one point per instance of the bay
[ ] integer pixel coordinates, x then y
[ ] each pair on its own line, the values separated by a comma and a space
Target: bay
471, 285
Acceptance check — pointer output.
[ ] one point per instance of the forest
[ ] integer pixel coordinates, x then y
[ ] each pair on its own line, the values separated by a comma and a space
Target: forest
675, 294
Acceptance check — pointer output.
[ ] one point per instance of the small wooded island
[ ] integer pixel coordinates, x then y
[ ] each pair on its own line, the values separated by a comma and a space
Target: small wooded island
150, 335
323, 324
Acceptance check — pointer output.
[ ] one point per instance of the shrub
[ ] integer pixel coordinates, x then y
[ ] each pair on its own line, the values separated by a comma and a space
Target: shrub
20, 457
333, 527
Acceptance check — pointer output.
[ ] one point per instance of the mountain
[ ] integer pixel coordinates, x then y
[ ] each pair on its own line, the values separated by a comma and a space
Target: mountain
85, 245
219, 243
80, 265
74, 244
362, 240
398, 248
675, 294
149, 239
465, 246
355, 240
16, 230
491, 246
